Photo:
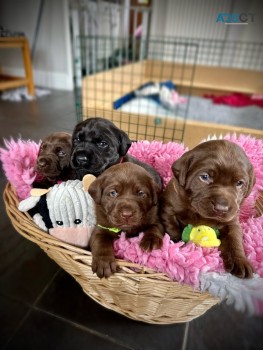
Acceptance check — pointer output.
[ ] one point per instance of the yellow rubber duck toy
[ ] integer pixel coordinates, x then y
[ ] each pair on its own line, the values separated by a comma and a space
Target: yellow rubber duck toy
202, 235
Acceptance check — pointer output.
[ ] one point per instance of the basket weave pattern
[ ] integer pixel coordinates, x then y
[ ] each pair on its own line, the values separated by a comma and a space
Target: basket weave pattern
136, 292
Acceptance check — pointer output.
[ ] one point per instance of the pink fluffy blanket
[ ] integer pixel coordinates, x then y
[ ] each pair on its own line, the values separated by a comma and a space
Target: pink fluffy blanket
186, 263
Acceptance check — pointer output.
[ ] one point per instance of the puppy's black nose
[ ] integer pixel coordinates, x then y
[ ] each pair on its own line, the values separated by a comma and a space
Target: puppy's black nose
81, 159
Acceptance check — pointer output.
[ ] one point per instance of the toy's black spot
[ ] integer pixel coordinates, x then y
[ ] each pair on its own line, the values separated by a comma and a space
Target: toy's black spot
60, 223
77, 221
42, 209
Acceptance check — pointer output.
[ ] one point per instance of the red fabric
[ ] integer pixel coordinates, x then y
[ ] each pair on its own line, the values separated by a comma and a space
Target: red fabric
237, 100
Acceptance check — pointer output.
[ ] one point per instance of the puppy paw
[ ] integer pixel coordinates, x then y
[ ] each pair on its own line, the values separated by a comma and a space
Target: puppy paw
242, 268
239, 267
148, 243
104, 266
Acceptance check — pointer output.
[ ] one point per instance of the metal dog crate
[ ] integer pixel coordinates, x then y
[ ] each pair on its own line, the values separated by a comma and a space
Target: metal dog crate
109, 72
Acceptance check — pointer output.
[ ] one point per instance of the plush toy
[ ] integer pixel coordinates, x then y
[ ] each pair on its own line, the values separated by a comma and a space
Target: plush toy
65, 210
202, 235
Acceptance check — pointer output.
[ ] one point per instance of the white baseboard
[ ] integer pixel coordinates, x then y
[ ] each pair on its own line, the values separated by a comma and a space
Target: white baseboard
50, 80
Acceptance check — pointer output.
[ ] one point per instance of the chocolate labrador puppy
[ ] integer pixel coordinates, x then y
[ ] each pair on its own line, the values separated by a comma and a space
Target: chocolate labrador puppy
126, 199
53, 161
209, 185
97, 144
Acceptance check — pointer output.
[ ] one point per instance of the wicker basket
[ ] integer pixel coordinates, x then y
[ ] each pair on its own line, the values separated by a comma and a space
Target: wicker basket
142, 295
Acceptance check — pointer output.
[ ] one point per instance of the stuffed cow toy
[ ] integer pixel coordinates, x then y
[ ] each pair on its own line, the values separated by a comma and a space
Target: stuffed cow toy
65, 210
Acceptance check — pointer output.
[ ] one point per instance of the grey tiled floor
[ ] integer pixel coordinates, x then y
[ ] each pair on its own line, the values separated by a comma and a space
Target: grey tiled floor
41, 306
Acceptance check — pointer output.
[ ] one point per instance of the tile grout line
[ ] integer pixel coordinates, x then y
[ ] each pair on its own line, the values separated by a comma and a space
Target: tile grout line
46, 287
17, 328
31, 308
185, 339
80, 326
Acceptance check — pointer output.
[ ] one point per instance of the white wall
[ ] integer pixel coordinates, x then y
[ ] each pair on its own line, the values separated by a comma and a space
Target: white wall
188, 18
197, 19
252, 32
52, 66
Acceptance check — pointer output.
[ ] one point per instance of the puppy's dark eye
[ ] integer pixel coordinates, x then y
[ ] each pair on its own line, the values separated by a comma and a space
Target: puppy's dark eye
205, 178
102, 144
240, 184
61, 153
60, 223
113, 194
77, 221
141, 194
76, 140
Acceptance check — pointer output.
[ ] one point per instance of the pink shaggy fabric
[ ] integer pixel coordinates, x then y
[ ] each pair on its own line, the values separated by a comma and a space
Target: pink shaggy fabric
181, 262
185, 262
253, 242
19, 159
160, 155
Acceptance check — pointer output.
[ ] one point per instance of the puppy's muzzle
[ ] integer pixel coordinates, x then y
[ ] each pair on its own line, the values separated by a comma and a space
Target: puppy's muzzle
42, 163
45, 162
80, 159
220, 205
127, 214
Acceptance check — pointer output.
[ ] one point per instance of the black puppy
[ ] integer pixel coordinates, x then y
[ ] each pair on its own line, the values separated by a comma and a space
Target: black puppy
98, 144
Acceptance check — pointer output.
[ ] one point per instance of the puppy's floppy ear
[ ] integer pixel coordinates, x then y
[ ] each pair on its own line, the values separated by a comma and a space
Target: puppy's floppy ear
252, 180
39, 150
124, 143
156, 191
95, 189
181, 166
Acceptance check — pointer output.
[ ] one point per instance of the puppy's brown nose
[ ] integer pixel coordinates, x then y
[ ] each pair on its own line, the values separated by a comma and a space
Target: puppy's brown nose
41, 163
221, 206
126, 214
